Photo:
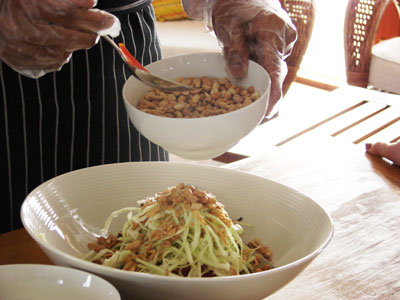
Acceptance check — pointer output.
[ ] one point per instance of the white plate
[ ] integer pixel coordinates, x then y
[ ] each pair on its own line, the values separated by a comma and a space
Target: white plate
46, 282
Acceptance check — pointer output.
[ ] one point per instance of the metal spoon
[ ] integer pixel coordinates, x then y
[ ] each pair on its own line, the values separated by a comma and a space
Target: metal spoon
148, 78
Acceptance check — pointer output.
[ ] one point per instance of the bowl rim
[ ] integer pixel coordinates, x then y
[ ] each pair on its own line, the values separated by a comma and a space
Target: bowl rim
266, 93
61, 270
79, 263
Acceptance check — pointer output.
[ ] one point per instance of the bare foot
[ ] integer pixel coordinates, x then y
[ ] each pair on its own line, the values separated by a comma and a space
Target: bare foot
386, 150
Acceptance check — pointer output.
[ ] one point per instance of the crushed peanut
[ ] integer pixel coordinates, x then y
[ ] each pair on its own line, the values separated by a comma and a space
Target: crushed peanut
210, 97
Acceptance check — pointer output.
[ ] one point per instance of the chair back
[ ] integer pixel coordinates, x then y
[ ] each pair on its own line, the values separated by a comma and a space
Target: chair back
361, 25
302, 14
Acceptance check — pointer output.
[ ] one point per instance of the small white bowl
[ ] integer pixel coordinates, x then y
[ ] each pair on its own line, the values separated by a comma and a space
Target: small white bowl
45, 282
200, 138
63, 215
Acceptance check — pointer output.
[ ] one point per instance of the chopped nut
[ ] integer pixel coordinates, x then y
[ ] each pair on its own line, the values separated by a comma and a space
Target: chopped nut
179, 106
196, 206
134, 245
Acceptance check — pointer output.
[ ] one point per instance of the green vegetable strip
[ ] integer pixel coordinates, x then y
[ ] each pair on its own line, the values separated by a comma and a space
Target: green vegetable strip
216, 240
196, 235
227, 230
195, 249
116, 214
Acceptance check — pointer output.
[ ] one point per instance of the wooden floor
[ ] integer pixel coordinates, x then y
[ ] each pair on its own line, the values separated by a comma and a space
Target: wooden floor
310, 115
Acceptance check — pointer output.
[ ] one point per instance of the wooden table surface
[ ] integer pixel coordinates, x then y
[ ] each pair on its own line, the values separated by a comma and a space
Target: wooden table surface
362, 194
360, 191
348, 114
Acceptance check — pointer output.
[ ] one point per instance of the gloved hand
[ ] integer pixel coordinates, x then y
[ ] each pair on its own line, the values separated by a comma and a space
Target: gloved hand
39, 36
259, 30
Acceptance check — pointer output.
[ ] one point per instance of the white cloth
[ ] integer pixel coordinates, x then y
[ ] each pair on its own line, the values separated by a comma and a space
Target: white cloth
384, 70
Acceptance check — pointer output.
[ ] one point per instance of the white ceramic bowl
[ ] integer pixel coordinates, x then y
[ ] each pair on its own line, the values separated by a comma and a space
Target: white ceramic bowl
62, 214
45, 282
200, 138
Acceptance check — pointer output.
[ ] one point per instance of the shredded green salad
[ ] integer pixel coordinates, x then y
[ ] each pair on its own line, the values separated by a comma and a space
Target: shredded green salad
181, 231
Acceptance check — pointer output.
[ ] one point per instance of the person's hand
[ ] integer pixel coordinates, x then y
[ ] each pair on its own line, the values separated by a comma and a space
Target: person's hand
39, 36
390, 151
253, 29
257, 29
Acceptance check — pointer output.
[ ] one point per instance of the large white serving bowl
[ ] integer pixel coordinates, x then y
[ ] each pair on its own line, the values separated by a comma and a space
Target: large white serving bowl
64, 214
200, 138
45, 282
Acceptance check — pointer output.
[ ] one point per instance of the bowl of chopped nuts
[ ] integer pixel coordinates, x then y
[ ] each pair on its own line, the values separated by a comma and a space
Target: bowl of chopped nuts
208, 120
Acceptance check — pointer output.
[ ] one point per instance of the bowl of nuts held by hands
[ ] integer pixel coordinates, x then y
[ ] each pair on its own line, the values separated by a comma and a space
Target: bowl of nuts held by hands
206, 121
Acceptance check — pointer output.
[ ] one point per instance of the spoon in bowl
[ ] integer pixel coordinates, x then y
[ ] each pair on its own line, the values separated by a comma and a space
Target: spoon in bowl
143, 74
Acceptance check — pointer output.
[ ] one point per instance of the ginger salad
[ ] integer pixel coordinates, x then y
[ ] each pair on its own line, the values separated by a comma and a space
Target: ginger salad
181, 231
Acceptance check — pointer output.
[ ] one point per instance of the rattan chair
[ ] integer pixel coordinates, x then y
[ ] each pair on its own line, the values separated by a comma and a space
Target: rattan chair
361, 25
302, 13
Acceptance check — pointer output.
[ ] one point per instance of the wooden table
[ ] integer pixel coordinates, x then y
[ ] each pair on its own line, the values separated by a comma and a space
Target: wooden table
362, 194
360, 191
348, 114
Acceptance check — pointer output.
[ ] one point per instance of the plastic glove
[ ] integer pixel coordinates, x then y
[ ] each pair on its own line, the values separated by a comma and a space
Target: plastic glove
39, 36
390, 151
259, 30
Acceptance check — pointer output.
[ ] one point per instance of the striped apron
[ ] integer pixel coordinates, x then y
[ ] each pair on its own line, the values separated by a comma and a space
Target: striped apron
73, 118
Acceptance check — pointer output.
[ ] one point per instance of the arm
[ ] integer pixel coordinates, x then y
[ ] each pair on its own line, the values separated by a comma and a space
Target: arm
254, 29
39, 36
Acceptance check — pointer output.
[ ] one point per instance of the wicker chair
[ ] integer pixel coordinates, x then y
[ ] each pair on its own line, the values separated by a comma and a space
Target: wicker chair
361, 25
302, 13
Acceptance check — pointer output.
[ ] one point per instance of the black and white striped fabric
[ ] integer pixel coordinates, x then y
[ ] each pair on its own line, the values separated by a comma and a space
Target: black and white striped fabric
74, 118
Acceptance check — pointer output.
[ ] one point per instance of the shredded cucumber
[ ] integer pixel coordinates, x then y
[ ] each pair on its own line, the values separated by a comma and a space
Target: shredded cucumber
170, 236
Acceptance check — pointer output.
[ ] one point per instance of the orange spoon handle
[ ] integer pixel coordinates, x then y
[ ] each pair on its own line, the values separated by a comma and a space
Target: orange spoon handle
130, 58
